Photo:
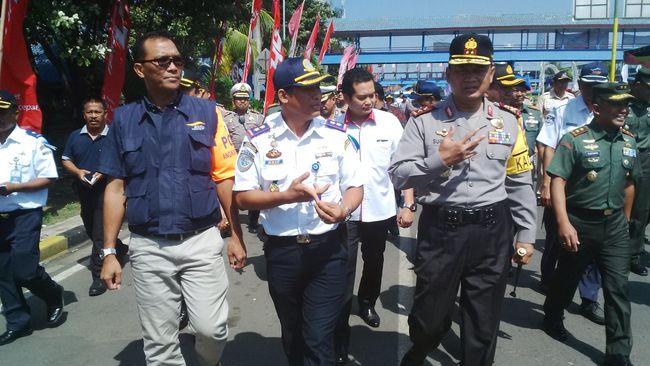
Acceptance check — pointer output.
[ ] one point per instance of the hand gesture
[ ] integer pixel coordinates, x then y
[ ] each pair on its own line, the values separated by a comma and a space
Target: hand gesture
330, 212
453, 152
300, 192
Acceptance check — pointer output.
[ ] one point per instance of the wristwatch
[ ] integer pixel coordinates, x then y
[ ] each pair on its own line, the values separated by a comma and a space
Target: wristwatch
413, 206
106, 252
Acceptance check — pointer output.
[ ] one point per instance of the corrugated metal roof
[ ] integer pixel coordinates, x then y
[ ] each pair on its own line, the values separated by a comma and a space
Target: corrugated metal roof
460, 22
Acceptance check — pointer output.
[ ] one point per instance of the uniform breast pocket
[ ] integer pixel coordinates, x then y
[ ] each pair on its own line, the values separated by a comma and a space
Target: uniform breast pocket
134, 159
592, 162
137, 205
381, 155
274, 173
328, 171
497, 152
200, 151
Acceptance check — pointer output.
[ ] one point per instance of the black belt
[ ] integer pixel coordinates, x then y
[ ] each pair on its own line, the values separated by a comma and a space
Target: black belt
174, 237
593, 213
303, 238
456, 216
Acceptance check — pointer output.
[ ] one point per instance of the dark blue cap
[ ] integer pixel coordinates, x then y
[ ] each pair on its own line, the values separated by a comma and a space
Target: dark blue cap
297, 71
426, 89
593, 73
7, 100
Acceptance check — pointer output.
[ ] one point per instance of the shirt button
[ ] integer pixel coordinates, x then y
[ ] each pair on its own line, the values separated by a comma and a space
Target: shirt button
491, 155
471, 184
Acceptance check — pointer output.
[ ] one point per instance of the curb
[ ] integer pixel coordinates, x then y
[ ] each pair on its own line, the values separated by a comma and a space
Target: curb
61, 242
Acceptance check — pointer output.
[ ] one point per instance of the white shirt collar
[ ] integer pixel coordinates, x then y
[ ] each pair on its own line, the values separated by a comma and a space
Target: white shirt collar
84, 129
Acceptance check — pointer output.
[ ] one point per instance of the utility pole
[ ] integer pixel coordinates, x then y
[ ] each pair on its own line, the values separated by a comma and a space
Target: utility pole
612, 67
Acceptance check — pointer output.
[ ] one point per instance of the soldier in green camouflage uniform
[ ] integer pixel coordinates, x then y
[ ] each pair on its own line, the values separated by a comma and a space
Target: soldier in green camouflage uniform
638, 122
592, 189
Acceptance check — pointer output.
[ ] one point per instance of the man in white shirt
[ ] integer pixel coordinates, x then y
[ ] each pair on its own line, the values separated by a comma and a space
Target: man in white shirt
561, 120
374, 135
558, 94
298, 169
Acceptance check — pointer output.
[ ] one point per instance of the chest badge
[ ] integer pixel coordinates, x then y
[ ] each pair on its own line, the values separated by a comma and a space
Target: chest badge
442, 132
273, 153
273, 187
592, 176
497, 123
591, 146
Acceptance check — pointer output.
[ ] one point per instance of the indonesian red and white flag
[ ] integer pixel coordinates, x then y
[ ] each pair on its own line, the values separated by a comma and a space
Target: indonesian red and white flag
216, 61
326, 41
309, 50
257, 6
276, 56
115, 63
17, 74
343, 66
294, 27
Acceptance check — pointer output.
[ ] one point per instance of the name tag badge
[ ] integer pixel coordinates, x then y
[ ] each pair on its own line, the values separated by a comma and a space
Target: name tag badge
592, 154
629, 152
499, 137
274, 162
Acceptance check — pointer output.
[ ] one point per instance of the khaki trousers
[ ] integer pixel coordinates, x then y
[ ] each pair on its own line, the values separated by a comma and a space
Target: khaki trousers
166, 271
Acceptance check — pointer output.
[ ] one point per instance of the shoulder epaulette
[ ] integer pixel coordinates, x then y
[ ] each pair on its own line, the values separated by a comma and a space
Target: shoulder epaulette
256, 131
33, 134
626, 132
336, 125
579, 131
509, 109
420, 111
37, 135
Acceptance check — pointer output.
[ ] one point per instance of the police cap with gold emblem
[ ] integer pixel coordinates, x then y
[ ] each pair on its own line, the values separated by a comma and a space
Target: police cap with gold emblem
470, 49
611, 92
643, 75
190, 78
426, 89
241, 90
504, 75
7, 100
298, 72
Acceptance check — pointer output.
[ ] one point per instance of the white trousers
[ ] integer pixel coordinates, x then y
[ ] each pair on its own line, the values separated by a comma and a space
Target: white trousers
165, 271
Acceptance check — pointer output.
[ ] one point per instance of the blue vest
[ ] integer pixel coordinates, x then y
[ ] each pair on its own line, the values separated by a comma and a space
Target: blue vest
166, 160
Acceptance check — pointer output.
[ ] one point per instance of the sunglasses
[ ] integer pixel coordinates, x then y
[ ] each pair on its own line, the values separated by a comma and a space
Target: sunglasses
164, 62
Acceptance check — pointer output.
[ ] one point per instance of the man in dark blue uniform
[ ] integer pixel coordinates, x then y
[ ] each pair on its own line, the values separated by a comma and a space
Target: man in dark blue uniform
80, 158
170, 162
26, 170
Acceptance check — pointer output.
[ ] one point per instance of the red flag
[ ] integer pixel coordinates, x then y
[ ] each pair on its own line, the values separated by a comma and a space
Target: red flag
343, 66
257, 6
352, 62
277, 55
115, 63
326, 42
294, 25
17, 74
216, 61
312, 39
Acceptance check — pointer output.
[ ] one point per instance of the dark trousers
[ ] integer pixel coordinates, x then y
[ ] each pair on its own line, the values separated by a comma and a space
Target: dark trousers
641, 209
20, 233
475, 257
372, 236
307, 283
604, 239
590, 282
91, 200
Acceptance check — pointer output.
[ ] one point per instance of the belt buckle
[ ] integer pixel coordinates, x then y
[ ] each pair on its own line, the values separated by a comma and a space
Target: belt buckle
303, 239
608, 211
4, 215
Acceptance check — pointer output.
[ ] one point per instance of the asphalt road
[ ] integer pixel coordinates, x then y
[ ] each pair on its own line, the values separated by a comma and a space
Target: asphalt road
105, 330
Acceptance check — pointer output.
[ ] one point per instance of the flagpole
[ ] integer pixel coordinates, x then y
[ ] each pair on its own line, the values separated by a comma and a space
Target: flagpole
612, 67
2, 31
284, 20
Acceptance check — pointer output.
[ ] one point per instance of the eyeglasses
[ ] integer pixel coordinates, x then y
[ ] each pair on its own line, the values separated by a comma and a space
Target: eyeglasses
164, 62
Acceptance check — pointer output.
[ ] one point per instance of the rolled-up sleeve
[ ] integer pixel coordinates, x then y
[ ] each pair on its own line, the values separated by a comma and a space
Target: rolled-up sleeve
410, 165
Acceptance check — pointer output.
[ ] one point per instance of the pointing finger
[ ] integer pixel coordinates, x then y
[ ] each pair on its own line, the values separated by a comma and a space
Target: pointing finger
470, 134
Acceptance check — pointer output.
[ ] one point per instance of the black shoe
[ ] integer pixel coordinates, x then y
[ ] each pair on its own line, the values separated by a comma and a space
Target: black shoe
369, 315
413, 357
11, 335
97, 288
617, 360
341, 353
556, 330
592, 311
55, 309
252, 228
639, 269
183, 318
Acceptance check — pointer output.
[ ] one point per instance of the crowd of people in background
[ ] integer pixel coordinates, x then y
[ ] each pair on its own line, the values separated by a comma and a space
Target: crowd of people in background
314, 175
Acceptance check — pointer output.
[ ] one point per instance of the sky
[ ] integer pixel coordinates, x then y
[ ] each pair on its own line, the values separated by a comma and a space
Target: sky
359, 9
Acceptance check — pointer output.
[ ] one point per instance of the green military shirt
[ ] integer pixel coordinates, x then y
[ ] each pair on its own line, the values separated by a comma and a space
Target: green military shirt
596, 165
638, 122
532, 125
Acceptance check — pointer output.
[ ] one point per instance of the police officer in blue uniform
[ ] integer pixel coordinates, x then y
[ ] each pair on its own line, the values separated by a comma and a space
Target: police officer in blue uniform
170, 162
303, 174
26, 170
